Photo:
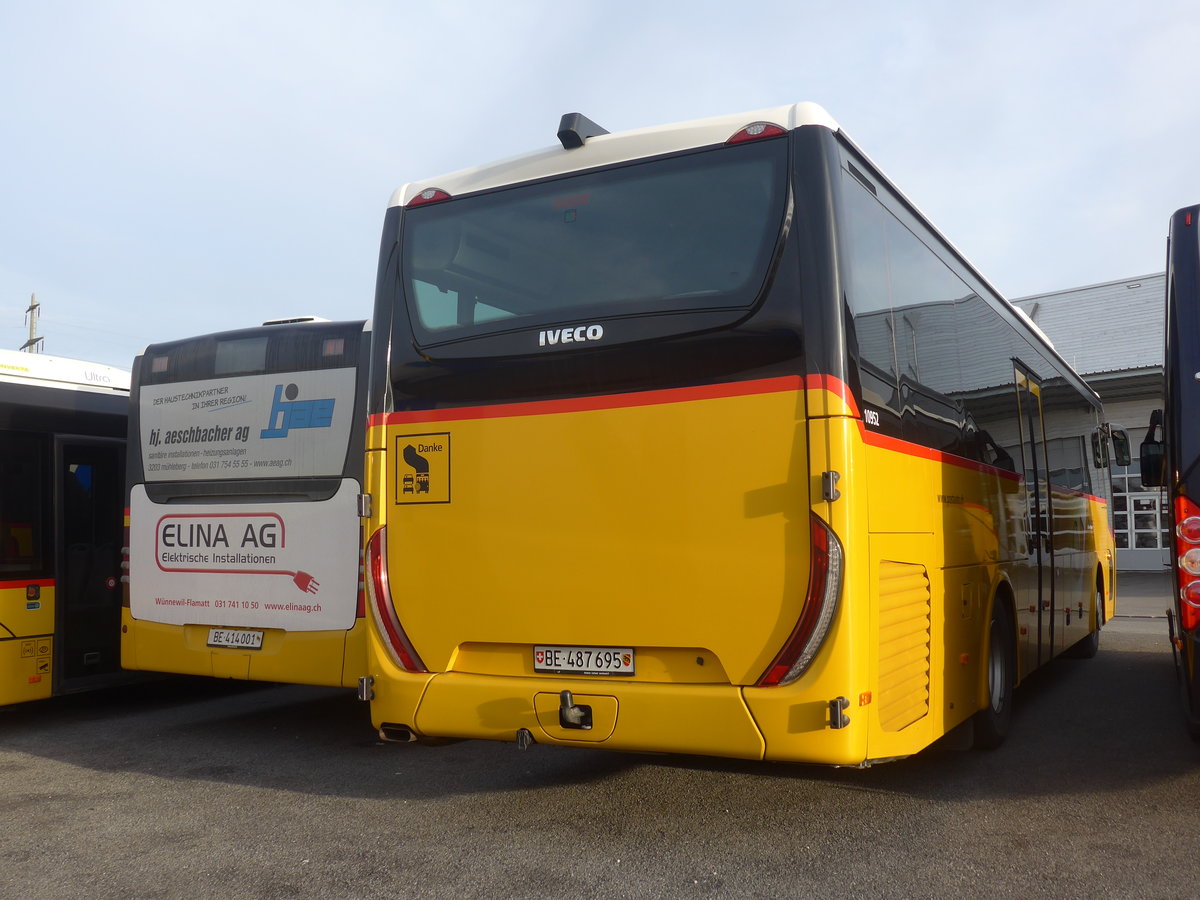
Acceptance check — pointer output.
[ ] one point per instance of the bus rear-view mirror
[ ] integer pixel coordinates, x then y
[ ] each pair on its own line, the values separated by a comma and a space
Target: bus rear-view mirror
1152, 453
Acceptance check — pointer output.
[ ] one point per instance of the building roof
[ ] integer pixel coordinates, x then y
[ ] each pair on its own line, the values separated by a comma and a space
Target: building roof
1105, 328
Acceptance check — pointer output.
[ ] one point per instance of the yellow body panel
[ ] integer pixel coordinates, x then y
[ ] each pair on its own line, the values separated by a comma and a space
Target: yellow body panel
27, 656
330, 658
680, 525
681, 530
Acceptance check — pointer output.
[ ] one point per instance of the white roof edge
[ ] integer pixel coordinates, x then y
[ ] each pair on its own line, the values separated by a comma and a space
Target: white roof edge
60, 371
612, 148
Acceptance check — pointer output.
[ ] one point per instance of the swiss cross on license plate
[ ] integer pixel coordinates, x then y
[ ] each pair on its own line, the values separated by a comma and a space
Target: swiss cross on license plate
583, 660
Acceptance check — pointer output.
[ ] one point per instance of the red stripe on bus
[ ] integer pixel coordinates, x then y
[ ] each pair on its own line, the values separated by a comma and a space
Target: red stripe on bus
590, 404
829, 383
835, 386
40, 582
1071, 492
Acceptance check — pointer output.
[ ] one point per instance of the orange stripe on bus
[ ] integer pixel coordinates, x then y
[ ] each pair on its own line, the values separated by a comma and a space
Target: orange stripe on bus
828, 383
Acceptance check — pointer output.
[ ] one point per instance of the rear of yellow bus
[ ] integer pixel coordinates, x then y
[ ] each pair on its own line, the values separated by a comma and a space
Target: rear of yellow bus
243, 528
606, 435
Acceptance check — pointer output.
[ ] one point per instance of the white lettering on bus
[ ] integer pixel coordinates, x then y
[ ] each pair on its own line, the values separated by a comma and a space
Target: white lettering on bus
553, 336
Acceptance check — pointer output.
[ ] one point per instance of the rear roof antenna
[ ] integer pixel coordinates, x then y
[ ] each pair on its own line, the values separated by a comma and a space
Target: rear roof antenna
575, 128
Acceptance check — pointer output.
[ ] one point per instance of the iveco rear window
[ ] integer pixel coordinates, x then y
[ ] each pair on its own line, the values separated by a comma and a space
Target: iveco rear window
674, 234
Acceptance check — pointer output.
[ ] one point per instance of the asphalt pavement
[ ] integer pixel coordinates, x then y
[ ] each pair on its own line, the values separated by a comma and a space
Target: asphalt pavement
1142, 602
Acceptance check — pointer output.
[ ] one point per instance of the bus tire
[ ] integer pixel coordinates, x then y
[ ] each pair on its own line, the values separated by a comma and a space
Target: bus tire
1089, 646
993, 721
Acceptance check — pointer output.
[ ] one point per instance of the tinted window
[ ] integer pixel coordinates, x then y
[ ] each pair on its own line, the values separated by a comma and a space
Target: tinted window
868, 294
280, 348
903, 298
240, 356
24, 505
687, 232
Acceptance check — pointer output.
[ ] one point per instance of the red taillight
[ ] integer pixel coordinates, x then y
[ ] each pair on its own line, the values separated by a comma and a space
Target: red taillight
756, 131
429, 195
1189, 529
824, 587
1187, 218
1187, 562
381, 604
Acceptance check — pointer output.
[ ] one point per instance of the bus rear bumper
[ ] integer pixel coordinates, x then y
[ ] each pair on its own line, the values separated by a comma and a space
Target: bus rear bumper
701, 719
710, 720
295, 657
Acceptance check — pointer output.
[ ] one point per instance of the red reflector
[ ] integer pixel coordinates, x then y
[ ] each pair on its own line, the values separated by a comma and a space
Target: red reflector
1187, 218
756, 131
429, 195
1189, 616
1189, 529
1191, 593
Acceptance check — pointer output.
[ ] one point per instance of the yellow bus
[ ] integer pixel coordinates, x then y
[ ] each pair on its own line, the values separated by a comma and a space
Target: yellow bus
62, 446
245, 478
701, 439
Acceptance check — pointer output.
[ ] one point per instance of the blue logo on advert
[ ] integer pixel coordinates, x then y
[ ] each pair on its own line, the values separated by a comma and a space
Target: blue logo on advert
293, 413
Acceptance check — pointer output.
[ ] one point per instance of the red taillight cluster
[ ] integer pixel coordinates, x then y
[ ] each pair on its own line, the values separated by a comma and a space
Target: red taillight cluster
1187, 548
381, 604
824, 588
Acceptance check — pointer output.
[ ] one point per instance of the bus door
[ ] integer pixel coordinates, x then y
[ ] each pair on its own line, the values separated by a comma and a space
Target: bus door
1040, 547
90, 490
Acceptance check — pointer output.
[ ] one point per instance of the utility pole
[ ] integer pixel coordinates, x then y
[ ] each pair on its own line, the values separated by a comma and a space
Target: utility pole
34, 344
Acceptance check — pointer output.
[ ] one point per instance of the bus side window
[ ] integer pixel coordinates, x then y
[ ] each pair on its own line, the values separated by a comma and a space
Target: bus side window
23, 501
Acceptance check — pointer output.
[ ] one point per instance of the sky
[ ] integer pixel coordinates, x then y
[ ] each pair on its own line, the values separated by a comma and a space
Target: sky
171, 169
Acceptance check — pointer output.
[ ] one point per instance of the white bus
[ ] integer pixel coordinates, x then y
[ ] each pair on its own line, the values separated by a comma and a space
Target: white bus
244, 477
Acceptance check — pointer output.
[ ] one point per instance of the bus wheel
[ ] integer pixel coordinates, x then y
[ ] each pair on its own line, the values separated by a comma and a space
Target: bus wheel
992, 722
1090, 645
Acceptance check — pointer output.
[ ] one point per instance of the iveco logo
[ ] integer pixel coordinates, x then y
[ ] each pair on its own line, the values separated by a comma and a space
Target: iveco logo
570, 335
